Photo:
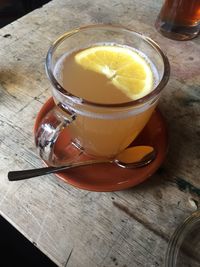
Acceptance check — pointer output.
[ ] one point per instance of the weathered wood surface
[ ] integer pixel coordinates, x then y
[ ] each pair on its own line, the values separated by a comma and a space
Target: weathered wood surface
75, 227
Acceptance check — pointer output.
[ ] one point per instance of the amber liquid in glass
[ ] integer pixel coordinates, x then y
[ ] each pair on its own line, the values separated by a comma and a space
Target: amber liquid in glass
179, 19
99, 136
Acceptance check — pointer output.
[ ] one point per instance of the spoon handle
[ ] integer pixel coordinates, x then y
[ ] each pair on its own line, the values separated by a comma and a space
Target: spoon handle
26, 174
147, 156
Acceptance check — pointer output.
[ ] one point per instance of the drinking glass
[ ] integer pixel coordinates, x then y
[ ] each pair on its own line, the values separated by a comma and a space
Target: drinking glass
179, 19
100, 130
184, 245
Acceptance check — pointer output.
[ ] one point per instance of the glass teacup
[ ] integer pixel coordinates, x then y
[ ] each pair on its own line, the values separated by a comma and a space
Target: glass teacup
100, 129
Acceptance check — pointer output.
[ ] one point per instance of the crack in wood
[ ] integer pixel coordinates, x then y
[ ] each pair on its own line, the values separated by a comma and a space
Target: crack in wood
68, 257
186, 186
144, 222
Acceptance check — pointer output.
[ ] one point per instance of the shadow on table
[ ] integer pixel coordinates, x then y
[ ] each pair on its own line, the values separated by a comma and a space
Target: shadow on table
11, 10
16, 250
184, 135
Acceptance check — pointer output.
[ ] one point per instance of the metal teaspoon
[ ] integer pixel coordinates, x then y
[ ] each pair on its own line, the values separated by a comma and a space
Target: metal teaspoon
132, 157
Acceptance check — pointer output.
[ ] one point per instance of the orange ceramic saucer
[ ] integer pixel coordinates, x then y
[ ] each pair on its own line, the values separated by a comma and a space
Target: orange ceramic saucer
109, 177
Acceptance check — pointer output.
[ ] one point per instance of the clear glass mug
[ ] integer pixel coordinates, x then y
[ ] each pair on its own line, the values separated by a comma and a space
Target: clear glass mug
100, 130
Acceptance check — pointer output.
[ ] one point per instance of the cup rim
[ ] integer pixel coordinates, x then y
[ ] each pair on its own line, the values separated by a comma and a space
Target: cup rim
142, 100
178, 237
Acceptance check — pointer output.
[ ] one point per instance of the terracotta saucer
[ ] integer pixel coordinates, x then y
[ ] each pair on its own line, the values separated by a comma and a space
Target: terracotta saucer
109, 177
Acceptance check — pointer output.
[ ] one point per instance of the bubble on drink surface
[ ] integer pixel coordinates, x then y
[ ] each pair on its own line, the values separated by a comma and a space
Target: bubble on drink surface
58, 69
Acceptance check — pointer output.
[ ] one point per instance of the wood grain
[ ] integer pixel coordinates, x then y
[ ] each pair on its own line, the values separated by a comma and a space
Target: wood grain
76, 228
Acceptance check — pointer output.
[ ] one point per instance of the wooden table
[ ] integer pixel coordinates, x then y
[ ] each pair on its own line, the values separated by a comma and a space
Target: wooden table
72, 226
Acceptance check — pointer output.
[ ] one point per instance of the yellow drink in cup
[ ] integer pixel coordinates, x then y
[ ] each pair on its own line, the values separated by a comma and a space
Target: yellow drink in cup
109, 79
107, 74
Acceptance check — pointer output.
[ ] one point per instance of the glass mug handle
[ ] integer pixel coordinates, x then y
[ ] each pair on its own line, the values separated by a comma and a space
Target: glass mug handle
49, 130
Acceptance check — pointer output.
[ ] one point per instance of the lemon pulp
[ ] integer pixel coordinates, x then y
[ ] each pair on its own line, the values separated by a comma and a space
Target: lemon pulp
126, 69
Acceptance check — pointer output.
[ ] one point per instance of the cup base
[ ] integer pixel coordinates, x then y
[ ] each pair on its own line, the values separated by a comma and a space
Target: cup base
177, 32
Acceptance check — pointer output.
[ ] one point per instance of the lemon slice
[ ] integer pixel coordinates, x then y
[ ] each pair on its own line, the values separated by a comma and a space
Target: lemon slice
124, 67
